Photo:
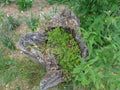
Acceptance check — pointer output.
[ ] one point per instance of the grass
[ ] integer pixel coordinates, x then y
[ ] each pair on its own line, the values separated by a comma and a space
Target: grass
12, 70
7, 41
65, 48
11, 23
100, 27
24, 4
32, 22
5, 2
6, 28
14, 73
1, 16
100, 22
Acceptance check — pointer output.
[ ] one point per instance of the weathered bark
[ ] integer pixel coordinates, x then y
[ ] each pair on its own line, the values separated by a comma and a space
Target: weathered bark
30, 42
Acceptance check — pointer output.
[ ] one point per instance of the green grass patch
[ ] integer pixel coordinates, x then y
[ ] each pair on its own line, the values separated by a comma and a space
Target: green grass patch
24, 4
7, 28
10, 23
5, 2
32, 22
65, 48
26, 71
100, 27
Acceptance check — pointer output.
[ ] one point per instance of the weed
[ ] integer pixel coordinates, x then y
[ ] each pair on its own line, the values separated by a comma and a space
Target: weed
7, 41
32, 22
46, 16
49, 14
0, 52
4, 2
24, 4
11, 23
1, 16
1, 19
100, 26
65, 48
6, 36
59, 1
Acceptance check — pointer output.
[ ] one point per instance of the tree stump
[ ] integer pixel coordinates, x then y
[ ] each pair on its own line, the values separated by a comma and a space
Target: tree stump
29, 42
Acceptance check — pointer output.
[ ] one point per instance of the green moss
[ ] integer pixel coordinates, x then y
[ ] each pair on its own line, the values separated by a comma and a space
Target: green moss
65, 48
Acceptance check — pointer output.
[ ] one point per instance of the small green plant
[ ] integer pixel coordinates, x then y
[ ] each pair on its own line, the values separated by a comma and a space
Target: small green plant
6, 36
24, 4
1, 19
4, 2
65, 48
59, 1
11, 23
1, 16
7, 41
32, 22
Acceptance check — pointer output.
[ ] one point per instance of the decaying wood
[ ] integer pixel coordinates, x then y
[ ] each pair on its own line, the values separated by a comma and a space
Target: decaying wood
29, 42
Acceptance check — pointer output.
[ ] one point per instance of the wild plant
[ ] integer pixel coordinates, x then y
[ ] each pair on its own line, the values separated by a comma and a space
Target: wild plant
32, 22
24, 4
4, 2
63, 45
10, 23
7, 40
100, 27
